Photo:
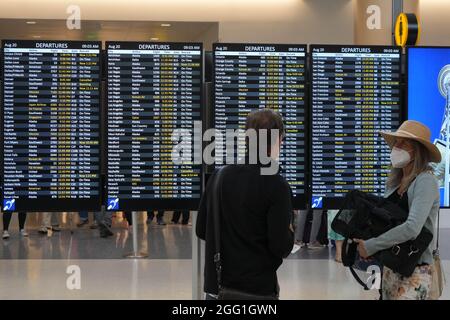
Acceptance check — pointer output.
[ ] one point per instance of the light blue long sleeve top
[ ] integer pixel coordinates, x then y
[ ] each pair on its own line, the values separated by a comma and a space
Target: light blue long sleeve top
424, 203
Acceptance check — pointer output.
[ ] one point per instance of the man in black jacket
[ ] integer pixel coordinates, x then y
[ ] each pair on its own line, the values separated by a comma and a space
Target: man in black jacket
256, 214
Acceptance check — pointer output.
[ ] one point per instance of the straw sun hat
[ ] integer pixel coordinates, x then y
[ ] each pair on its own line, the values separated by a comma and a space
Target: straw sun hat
416, 131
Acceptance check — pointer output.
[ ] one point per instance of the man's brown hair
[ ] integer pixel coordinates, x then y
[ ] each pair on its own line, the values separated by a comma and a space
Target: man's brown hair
267, 119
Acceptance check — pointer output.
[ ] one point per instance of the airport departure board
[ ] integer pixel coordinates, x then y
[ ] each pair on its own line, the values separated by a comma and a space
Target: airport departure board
50, 119
153, 90
355, 94
255, 76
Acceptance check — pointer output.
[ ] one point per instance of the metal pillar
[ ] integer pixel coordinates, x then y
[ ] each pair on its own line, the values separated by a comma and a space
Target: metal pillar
196, 262
397, 8
135, 254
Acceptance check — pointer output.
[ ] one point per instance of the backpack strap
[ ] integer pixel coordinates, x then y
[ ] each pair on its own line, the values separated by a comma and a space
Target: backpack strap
358, 279
348, 252
348, 259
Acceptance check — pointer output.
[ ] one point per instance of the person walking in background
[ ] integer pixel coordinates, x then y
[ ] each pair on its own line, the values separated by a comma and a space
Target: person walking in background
7, 220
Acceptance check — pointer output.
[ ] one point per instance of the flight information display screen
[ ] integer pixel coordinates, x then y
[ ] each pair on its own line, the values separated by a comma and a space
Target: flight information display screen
355, 93
248, 77
154, 89
50, 122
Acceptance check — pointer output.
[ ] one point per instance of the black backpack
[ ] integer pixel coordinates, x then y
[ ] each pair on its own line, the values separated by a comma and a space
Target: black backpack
364, 216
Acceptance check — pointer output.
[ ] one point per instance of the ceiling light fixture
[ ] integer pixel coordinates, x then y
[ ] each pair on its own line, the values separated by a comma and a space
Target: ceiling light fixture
165, 25
31, 22
154, 39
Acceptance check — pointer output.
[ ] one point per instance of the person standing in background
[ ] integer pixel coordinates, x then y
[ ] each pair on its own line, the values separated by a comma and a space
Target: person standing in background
178, 213
336, 237
129, 217
47, 224
159, 217
84, 220
300, 229
6, 221
104, 222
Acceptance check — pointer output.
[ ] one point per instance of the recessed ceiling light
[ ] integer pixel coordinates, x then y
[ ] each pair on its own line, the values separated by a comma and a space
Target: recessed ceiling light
37, 37
165, 24
154, 39
31, 22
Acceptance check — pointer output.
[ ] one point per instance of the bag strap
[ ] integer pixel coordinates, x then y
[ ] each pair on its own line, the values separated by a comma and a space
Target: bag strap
436, 251
358, 279
349, 257
216, 202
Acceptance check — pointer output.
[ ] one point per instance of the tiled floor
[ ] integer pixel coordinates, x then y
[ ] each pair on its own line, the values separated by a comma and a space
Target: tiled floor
165, 279
161, 242
36, 267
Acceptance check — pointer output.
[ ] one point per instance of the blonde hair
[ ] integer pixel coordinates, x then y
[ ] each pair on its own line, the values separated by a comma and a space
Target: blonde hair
421, 163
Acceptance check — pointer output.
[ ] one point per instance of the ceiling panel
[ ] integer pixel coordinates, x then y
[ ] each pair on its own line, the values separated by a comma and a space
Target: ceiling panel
104, 30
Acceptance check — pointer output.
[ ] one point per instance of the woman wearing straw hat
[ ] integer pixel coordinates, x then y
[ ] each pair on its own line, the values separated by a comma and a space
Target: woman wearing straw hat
413, 186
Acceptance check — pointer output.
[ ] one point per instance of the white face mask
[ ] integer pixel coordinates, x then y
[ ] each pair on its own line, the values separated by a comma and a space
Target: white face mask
400, 158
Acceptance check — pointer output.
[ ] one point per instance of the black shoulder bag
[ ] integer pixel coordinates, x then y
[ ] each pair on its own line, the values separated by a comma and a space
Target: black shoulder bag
226, 293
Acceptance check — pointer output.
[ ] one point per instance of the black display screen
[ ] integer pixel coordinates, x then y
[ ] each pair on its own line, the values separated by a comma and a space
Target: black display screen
50, 121
255, 76
153, 90
355, 94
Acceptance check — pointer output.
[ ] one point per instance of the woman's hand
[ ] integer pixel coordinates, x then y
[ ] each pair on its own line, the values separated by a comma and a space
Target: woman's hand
361, 248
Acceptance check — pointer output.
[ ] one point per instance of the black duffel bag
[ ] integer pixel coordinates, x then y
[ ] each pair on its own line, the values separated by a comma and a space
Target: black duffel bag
364, 216
403, 258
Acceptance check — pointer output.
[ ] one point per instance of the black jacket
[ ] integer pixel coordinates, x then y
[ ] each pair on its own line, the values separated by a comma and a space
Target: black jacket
255, 234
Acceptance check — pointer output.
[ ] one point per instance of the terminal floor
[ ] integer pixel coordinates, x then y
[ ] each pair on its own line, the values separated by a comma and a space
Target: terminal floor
36, 267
